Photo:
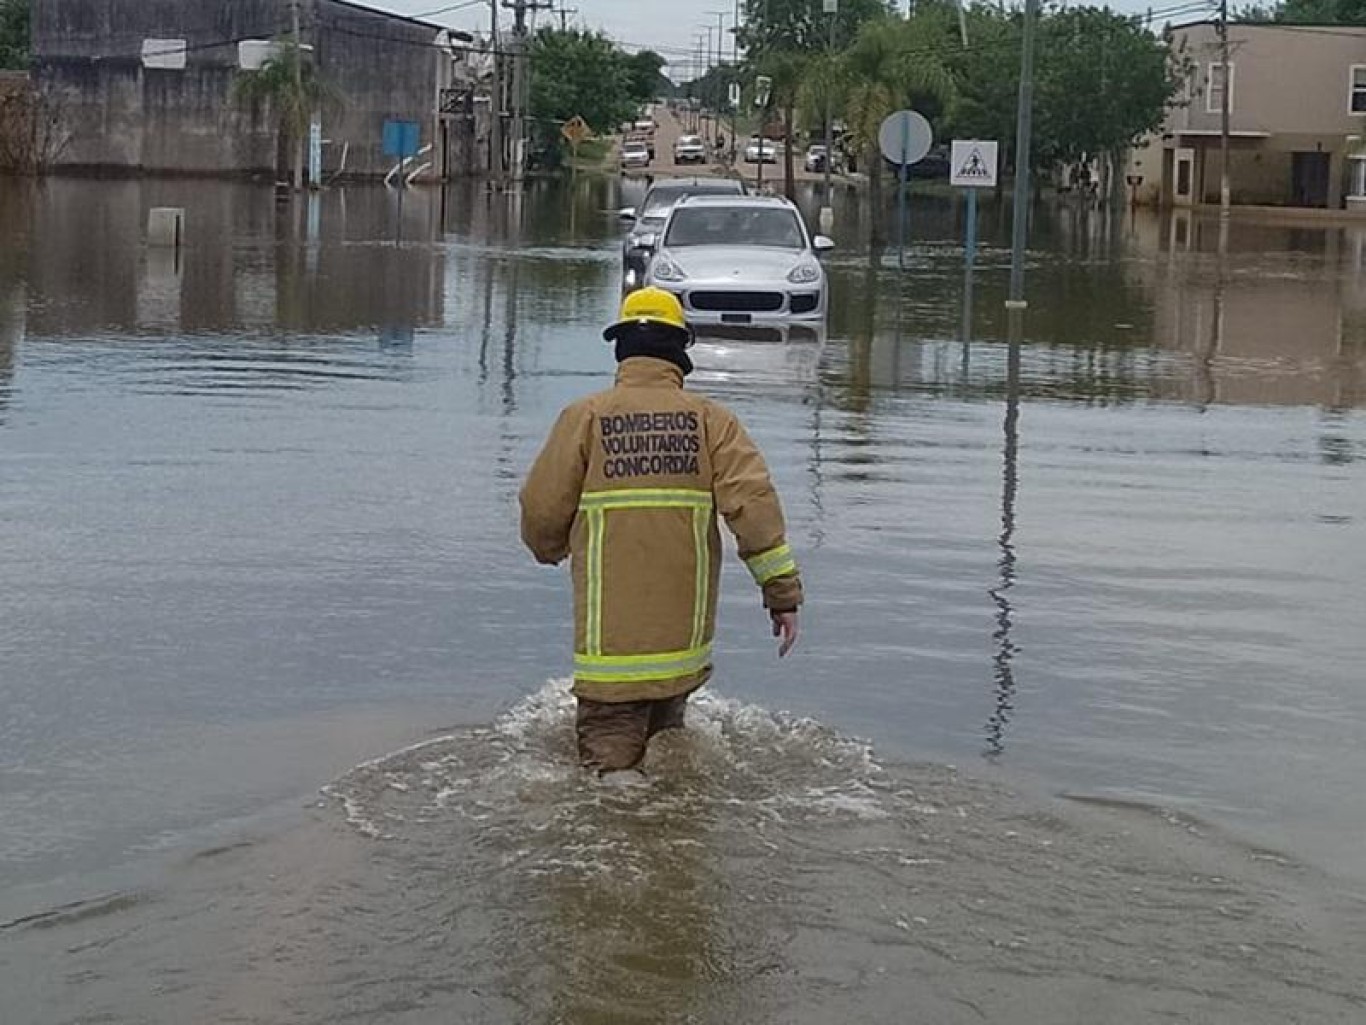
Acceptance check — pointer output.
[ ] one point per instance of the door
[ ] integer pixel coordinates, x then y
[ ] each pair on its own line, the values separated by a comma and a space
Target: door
1309, 178
1183, 180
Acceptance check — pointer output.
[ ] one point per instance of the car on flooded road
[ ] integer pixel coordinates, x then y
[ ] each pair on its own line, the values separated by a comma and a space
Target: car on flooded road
635, 154
816, 158
762, 151
739, 260
690, 149
647, 220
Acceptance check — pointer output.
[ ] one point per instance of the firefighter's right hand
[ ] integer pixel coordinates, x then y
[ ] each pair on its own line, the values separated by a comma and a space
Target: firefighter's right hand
785, 626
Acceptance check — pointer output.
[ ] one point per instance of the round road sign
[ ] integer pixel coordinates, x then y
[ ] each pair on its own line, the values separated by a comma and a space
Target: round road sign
905, 137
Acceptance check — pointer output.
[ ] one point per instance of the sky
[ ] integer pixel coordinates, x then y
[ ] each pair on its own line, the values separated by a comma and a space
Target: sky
669, 27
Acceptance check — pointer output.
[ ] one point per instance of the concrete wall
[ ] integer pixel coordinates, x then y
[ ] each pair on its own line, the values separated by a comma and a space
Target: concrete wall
125, 117
386, 67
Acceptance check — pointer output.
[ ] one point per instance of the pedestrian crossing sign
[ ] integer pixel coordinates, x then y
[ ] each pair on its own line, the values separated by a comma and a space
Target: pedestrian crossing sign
972, 163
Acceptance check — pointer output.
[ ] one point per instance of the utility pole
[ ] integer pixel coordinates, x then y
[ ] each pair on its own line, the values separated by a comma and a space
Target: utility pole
827, 214
521, 79
719, 83
519, 55
496, 103
1024, 124
699, 75
735, 71
298, 91
1225, 189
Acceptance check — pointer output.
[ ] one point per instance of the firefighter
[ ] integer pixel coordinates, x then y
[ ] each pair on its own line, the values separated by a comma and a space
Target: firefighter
629, 486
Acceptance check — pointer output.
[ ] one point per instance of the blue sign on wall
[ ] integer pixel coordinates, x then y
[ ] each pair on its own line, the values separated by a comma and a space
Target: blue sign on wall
402, 138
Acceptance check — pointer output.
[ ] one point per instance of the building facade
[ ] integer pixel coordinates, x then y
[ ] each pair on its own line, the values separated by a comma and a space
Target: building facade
1297, 101
146, 86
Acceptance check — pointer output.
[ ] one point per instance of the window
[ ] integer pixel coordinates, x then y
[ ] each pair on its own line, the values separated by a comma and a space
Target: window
1356, 89
1214, 87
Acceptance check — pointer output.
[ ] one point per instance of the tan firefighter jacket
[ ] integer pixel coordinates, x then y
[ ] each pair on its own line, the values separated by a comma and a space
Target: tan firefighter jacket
629, 483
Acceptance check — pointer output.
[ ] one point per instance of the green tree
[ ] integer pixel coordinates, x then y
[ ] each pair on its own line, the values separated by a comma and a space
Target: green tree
801, 26
645, 70
893, 63
14, 35
781, 38
1104, 82
712, 89
578, 73
986, 73
295, 91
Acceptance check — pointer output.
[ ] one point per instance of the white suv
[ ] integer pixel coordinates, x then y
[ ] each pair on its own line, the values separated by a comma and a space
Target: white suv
741, 260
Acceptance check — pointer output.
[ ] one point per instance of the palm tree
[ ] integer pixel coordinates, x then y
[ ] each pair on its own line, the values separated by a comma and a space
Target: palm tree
295, 90
890, 63
787, 69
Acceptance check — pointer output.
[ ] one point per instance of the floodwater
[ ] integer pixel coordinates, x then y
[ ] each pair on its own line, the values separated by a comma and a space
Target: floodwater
1075, 732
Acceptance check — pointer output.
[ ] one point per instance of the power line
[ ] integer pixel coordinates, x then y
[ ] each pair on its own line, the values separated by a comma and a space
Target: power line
450, 9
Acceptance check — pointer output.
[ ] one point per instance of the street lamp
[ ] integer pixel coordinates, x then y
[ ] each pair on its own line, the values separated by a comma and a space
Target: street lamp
720, 17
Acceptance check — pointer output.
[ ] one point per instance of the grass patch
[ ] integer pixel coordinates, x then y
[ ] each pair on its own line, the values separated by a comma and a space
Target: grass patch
593, 155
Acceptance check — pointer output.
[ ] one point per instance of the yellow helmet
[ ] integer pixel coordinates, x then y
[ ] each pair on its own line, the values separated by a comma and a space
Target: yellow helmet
650, 306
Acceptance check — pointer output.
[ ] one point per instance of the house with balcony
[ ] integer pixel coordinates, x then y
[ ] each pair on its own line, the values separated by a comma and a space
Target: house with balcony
1297, 119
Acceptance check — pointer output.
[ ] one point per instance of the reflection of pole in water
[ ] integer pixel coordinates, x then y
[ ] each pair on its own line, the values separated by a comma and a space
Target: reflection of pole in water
966, 334
1003, 672
814, 465
1206, 390
486, 331
514, 200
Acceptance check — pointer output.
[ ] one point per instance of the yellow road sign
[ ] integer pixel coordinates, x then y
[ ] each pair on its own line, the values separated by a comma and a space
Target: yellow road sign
576, 130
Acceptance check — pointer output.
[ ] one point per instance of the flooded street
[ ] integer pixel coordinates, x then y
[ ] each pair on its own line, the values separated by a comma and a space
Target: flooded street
277, 741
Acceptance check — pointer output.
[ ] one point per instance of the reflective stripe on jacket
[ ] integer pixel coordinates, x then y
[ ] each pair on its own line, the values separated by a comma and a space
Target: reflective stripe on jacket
630, 483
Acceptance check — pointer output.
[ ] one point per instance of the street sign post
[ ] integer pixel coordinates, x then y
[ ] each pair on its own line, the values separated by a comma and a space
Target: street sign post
763, 85
402, 138
904, 138
972, 163
972, 166
575, 131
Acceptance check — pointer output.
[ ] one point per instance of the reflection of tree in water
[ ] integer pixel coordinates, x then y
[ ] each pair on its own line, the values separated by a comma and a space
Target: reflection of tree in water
1003, 671
1091, 323
14, 219
11, 327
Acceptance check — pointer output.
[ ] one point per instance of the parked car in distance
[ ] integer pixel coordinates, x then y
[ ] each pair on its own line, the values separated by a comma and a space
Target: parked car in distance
741, 260
766, 150
934, 165
816, 157
690, 149
634, 154
647, 220
644, 131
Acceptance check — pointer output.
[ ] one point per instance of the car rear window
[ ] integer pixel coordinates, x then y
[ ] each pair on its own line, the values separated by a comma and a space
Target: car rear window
663, 197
